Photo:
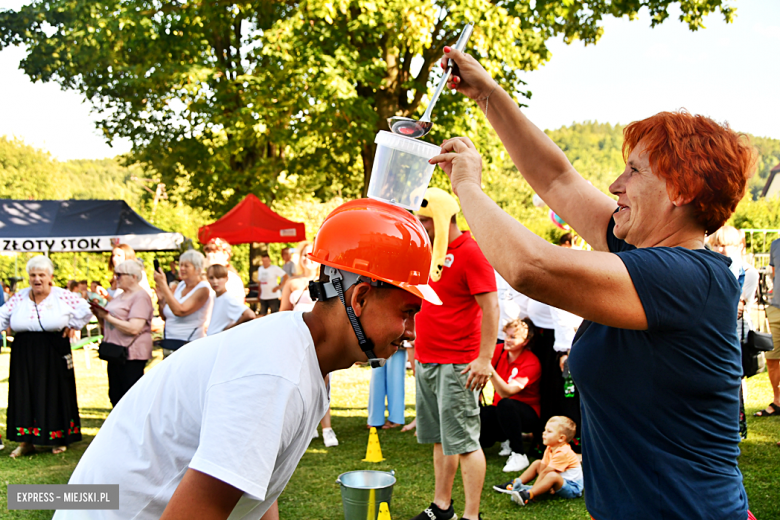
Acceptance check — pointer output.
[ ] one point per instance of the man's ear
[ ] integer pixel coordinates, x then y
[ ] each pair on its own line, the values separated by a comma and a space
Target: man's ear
359, 295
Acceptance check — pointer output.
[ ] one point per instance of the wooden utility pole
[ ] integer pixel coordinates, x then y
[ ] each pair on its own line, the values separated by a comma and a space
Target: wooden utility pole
159, 193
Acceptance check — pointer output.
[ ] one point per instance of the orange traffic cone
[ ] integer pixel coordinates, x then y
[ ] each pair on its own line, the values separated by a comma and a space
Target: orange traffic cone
374, 451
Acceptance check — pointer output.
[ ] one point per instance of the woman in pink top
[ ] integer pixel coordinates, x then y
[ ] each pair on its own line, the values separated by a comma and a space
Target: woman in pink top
127, 321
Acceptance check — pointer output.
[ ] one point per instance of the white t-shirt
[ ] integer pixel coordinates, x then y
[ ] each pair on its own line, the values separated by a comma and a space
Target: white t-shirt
239, 406
226, 310
508, 307
564, 323
268, 279
235, 286
192, 326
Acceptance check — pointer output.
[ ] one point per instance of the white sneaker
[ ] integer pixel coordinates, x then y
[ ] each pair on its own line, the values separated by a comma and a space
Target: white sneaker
505, 449
516, 462
330, 440
316, 434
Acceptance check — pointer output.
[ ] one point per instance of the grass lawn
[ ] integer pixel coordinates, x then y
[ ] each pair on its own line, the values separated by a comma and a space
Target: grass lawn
313, 494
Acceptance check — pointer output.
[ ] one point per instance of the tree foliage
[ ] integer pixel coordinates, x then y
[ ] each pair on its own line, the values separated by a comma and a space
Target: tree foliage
30, 173
283, 98
768, 157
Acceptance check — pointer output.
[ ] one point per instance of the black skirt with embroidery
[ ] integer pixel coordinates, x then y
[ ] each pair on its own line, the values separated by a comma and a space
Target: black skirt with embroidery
42, 405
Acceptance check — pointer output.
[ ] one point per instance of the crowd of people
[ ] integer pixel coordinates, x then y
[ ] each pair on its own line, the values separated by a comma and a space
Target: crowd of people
45, 320
617, 368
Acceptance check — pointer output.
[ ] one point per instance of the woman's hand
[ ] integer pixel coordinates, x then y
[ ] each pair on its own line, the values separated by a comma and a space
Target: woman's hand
159, 278
562, 361
473, 80
98, 311
461, 161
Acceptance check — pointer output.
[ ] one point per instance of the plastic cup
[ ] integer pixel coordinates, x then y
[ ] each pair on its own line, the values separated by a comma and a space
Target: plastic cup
401, 171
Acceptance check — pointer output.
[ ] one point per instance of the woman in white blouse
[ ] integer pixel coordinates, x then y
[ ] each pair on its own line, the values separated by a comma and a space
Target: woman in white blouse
186, 310
42, 405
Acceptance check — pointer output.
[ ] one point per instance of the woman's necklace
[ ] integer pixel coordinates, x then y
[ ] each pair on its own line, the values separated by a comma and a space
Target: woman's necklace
35, 304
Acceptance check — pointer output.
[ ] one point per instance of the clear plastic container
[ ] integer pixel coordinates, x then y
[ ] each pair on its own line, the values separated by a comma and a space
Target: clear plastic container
401, 171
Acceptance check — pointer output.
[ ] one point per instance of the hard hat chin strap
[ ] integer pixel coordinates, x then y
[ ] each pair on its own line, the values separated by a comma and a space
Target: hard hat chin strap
340, 282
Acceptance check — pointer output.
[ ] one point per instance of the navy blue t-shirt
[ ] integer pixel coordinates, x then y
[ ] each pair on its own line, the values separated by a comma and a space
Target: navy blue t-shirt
660, 407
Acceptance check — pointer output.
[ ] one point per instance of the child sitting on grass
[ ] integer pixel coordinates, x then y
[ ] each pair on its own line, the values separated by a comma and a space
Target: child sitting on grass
558, 473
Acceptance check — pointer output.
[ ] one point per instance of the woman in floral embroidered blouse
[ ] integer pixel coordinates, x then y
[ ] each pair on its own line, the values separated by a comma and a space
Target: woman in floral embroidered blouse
42, 406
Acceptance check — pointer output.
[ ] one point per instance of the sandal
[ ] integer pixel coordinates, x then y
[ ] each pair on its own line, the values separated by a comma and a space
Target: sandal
20, 452
765, 413
58, 450
388, 425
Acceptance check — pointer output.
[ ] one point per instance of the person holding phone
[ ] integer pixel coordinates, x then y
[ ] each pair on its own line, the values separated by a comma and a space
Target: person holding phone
127, 321
187, 308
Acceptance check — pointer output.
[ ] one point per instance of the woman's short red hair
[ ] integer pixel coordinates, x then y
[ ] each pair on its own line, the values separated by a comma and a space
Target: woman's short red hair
699, 159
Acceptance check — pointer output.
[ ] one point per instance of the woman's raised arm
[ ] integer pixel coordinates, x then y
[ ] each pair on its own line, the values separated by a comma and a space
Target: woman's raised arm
538, 158
593, 285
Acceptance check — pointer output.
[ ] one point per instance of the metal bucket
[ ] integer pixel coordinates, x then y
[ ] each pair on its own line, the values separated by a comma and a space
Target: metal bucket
363, 491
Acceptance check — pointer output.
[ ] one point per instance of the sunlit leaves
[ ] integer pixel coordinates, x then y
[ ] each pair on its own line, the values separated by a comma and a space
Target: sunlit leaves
283, 98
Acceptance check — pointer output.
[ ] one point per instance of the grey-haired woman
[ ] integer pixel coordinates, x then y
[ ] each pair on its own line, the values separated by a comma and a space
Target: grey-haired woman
127, 321
187, 309
42, 405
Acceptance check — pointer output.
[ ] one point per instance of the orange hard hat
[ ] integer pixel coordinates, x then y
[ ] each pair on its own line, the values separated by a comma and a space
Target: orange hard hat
380, 241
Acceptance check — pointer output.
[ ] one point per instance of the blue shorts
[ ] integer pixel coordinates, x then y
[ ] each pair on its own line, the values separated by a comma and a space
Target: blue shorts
570, 489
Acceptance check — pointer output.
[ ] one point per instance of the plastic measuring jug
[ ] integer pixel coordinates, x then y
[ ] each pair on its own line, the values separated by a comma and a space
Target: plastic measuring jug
401, 171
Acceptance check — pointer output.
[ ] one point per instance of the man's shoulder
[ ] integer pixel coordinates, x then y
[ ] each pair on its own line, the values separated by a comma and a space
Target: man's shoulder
253, 348
469, 248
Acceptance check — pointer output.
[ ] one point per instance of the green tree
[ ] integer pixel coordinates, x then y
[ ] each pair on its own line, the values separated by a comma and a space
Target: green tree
278, 98
594, 149
768, 151
29, 173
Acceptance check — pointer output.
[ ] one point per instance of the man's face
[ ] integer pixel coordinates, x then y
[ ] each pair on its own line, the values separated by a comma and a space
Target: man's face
427, 223
286, 255
266, 262
388, 319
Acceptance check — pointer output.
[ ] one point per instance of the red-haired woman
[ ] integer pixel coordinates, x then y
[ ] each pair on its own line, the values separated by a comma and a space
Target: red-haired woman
657, 363
119, 254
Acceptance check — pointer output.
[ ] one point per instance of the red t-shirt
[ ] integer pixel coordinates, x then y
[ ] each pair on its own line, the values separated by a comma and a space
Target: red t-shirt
450, 333
525, 369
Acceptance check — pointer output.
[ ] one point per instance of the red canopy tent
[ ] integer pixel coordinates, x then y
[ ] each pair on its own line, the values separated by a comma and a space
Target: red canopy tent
252, 221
